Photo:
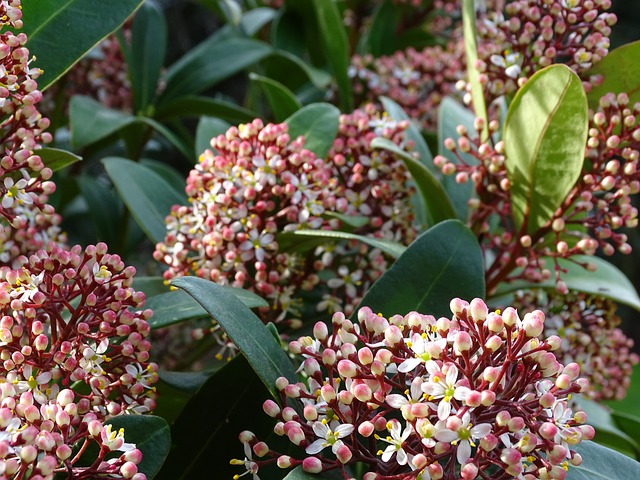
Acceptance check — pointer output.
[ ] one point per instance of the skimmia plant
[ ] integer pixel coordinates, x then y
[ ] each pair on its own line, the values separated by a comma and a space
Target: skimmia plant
308, 190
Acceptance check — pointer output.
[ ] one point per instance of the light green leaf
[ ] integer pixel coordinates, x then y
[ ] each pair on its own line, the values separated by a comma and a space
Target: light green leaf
545, 135
150, 285
208, 128
90, 121
607, 432
195, 106
60, 33
175, 307
253, 20
150, 434
282, 101
57, 159
606, 281
318, 124
443, 263
621, 72
437, 202
244, 329
333, 37
146, 194
393, 249
601, 463
471, 51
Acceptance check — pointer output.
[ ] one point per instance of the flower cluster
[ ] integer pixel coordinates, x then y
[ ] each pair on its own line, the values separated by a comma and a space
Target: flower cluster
74, 354
477, 395
587, 325
523, 36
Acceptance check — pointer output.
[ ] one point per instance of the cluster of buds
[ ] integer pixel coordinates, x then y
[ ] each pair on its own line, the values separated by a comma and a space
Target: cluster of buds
74, 355
477, 395
597, 206
523, 36
587, 325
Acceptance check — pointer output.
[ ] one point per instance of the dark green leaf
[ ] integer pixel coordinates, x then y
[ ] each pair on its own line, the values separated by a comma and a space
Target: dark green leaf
243, 327
152, 437
288, 63
90, 121
146, 56
208, 128
621, 72
104, 208
443, 263
606, 281
57, 159
188, 382
471, 51
211, 62
318, 124
299, 474
287, 32
387, 246
607, 432
60, 33
381, 36
146, 194
545, 135
333, 37
253, 20
282, 101
436, 200
170, 174
176, 141
150, 285
195, 106
601, 463
629, 404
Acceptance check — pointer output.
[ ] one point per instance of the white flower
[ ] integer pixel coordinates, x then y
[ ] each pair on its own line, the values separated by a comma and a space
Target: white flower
424, 346
348, 280
258, 242
395, 440
444, 388
329, 436
92, 357
510, 62
464, 437
144, 376
115, 440
101, 273
35, 385
26, 289
15, 192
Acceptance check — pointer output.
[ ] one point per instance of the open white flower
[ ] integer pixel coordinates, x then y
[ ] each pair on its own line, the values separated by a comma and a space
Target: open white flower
329, 436
464, 437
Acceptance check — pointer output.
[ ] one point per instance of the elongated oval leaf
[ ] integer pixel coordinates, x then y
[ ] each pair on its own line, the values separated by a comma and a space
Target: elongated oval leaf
545, 135
194, 106
57, 159
318, 124
436, 200
387, 246
104, 208
606, 281
90, 121
601, 463
621, 72
208, 128
60, 33
336, 47
471, 51
607, 432
282, 101
177, 306
243, 327
381, 36
443, 263
299, 474
151, 436
146, 194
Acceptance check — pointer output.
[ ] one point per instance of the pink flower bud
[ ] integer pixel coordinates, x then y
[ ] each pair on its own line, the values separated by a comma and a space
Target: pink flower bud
462, 342
347, 369
548, 430
366, 429
284, 461
312, 465
478, 310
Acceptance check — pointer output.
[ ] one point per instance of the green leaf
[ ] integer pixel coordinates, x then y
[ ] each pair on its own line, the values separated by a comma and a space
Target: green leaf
170, 174
629, 404
146, 194
287, 32
90, 121
436, 200
244, 329
60, 33
208, 128
175, 307
150, 285
151, 436
607, 432
381, 36
188, 382
253, 20
146, 56
176, 141
607, 281
471, 51
443, 263
393, 249
211, 62
282, 101
104, 208
195, 106
601, 463
57, 159
621, 72
545, 135
318, 124
450, 115
333, 37
287, 62
299, 474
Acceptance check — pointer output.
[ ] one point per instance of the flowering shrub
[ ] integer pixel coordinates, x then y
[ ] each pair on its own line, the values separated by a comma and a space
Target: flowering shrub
431, 398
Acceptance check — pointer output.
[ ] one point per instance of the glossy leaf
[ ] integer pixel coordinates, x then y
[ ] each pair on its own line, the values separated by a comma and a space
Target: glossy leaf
211, 62
256, 18
545, 135
381, 36
208, 128
602, 463
318, 124
57, 159
436, 200
150, 285
60, 33
607, 432
299, 474
151, 436
471, 51
195, 106
387, 246
450, 115
285, 63
443, 263
146, 194
606, 281
104, 208
175, 140
146, 55
282, 101
187, 382
629, 404
90, 121
177, 306
621, 72
333, 37
172, 176
244, 329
